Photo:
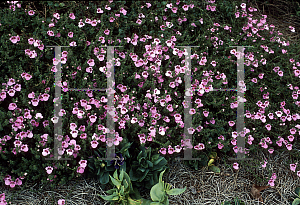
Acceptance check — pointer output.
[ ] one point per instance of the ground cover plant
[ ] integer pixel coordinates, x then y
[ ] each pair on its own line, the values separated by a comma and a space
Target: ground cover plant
149, 77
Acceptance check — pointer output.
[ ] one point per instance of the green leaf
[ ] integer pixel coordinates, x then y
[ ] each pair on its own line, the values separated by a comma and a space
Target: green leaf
122, 190
125, 183
121, 175
210, 162
215, 169
160, 175
117, 183
109, 198
136, 194
144, 175
146, 202
297, 191
296, 201
176, 191
116, 174
157, 192
104, 179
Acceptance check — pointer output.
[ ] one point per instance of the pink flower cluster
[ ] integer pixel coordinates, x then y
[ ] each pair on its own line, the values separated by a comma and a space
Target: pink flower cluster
12, 183
2, 199
15, 39
272, 179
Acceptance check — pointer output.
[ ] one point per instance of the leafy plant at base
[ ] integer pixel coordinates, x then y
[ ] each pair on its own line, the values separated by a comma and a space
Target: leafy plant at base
146, 169
235, 202
297, 200
206, 162
101, 169
124, 193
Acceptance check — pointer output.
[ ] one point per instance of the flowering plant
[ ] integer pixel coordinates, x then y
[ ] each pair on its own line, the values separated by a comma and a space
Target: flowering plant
154, 109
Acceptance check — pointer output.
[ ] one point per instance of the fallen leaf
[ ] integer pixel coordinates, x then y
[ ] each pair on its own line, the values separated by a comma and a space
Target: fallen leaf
255, 191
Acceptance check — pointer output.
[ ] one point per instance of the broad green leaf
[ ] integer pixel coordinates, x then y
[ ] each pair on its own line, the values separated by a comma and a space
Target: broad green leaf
215, 169
105, 178
157, 192
176, 191
296, 201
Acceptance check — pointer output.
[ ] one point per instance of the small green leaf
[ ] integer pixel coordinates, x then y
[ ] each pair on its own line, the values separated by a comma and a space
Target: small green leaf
215, 169
116, 174
210, 162
297, 191
108, 198
117, 183
176, 191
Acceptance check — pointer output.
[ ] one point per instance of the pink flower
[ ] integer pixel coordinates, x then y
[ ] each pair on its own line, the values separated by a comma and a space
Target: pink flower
72, 16
106, 32
163, 150
14, 39
174, 10
271, 182
231, 123
50, 33
91, 62
236, 165
94, 144
80, 170
83, 163
31, 13
205, 113
293, 167
12, 106
94, 23
185, 7
56, 15
49, 169
70, 34
123, 11
289, 146
61, 202
45, 152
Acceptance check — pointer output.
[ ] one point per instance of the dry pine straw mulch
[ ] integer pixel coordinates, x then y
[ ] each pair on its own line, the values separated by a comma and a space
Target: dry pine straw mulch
203, 186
